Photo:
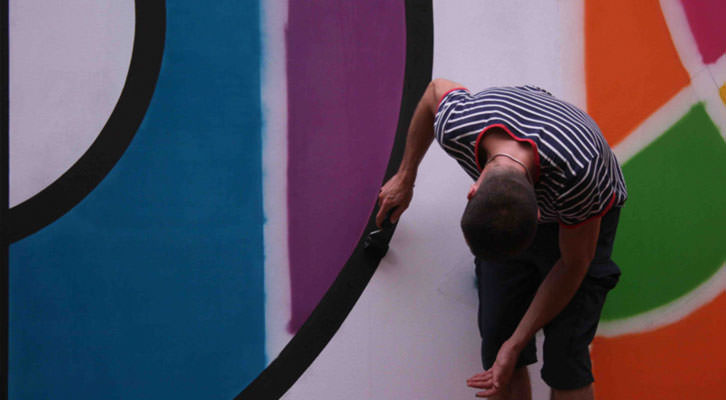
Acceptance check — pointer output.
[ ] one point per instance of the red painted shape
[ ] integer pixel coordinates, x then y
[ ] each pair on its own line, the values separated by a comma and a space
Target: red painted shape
707, 19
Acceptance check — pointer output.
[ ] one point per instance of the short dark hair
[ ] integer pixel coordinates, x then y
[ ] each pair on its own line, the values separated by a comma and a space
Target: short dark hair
500, 220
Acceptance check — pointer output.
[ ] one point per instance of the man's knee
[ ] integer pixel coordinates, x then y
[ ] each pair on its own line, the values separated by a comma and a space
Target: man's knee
583, 393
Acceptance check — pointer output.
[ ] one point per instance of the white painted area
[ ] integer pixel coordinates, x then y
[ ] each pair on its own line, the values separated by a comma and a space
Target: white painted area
704, 87
68, 64
656, 124
274, 170
718, 71
716, 107
683, 40
413, 333
511, 43
668, 313
572, 52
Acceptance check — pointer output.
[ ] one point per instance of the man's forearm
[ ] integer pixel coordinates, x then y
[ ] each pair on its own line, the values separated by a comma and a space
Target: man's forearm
420, 135
555, 292
395, 195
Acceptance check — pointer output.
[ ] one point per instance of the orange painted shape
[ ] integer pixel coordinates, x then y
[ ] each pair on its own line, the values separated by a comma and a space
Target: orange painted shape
684, 360
722, 92
631, 65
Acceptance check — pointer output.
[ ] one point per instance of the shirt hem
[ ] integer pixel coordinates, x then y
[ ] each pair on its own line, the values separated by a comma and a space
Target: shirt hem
599, 215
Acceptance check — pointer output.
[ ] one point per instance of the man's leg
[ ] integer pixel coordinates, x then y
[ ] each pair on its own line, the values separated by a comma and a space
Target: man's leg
584, 393
567, 368
505, 291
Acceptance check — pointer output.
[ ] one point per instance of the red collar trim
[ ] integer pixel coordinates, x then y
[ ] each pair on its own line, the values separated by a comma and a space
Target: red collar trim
535, 175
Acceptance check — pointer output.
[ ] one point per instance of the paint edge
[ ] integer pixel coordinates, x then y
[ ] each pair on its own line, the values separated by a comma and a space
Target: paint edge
669, 313
707, 90
4, 198
685, 44
572, 52
704, 77
118, 132
656, 124
273, 96
327, 317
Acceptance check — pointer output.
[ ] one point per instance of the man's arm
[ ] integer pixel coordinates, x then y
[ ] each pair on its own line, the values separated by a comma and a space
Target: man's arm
577, 249
398, 191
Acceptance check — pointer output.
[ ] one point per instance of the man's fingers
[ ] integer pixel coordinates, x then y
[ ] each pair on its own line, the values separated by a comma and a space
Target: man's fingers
396, 214
479, 375
482, 380
482, 384
382, 210
486, 375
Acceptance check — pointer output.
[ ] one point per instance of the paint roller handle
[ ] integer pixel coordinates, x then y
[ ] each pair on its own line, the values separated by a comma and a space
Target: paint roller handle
376, 242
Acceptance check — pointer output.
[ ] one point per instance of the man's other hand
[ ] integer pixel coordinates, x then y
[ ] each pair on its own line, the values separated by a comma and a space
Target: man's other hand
496, 379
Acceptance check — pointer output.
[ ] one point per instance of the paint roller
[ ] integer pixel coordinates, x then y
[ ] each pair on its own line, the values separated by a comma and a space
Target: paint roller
376, 243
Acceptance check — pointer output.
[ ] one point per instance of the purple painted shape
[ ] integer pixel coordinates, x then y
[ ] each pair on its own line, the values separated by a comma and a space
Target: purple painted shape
345, 67
706, 18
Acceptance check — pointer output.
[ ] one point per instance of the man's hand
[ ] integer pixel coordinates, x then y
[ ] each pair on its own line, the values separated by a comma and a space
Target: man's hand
395, 195
496, 379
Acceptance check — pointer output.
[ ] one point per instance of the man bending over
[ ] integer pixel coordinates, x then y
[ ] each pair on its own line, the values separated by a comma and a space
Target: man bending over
540, 221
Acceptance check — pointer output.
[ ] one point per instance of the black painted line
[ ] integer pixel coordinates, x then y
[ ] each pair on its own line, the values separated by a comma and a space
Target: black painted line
76, 183
339, 300
4, 196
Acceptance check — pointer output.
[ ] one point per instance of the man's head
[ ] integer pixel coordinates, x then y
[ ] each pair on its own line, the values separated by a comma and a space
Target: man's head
500, 219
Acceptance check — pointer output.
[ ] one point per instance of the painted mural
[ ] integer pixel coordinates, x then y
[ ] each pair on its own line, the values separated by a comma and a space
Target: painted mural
667, 312
191, 189
149, 283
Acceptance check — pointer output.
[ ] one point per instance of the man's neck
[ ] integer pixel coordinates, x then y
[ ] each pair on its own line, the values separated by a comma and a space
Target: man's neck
498, 141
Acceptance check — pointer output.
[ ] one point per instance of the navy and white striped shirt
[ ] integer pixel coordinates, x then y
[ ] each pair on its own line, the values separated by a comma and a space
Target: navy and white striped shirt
578, 175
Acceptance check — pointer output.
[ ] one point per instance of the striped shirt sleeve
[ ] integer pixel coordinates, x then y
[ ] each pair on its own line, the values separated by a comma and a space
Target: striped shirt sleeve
453, 133
589, 193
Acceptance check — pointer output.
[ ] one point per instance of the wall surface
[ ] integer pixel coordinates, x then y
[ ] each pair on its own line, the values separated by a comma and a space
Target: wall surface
152, 285
190, 184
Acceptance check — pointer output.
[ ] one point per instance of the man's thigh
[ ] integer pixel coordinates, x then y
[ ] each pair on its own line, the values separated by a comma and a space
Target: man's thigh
505, 292
566, 363
566, 355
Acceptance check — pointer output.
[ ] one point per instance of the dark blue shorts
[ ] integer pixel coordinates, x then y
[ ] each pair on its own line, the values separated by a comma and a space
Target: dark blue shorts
506, 290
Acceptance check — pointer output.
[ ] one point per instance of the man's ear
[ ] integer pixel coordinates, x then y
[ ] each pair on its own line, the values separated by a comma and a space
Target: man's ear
472, 190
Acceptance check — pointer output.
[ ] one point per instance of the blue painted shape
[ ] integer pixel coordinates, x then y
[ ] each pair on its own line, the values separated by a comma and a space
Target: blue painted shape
152, 287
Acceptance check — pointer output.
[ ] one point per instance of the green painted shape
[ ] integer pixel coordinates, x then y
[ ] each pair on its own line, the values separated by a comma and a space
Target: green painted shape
672, 233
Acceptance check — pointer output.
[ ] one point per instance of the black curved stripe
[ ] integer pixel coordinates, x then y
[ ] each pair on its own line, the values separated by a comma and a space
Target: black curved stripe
339, 300
76, 183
